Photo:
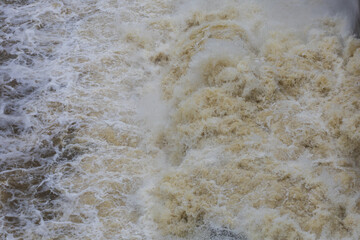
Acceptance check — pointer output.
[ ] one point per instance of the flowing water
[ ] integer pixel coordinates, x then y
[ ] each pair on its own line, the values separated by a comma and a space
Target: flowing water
179, 119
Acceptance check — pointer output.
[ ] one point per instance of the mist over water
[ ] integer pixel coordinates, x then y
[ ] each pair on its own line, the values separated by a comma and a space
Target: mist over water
179, 119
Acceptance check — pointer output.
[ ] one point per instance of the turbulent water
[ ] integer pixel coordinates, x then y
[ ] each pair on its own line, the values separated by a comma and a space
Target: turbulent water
179, 119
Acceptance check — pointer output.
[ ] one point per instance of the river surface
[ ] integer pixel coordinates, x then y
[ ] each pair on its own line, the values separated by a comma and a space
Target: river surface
179, 119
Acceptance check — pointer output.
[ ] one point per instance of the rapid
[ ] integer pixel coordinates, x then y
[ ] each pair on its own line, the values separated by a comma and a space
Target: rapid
179, 119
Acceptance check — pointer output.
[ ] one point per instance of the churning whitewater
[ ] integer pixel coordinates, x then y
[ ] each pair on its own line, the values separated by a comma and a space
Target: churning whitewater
179, 119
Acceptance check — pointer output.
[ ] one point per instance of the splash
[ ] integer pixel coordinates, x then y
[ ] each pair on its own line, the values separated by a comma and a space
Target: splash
263, 133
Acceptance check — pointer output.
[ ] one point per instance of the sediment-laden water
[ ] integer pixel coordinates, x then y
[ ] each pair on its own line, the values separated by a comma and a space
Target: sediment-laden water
179, 119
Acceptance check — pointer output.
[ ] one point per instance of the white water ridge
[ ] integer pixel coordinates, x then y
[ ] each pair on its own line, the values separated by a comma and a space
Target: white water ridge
179, 119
